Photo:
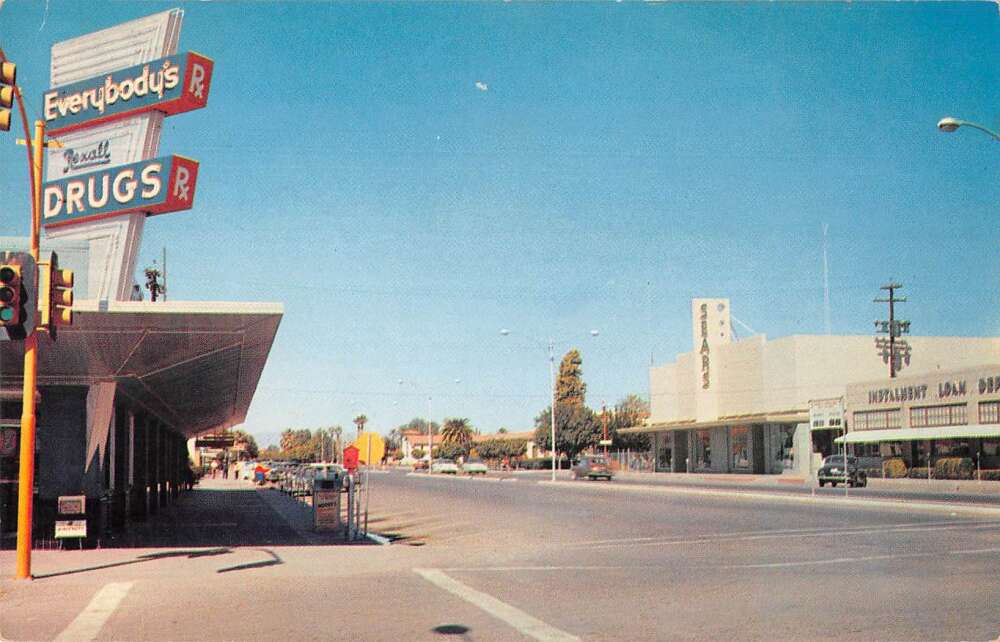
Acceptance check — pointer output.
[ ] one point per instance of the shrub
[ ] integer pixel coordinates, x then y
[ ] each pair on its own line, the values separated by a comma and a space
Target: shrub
894, 468
953, 468
992, 474
920, 472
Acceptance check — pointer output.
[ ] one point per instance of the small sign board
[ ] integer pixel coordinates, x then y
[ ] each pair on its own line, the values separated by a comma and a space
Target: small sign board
351, 458
70, 528
72, 504
214, 441
605, 442
8, 442
326, 509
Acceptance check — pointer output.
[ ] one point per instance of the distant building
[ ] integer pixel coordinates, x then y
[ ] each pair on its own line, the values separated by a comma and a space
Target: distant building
743, 406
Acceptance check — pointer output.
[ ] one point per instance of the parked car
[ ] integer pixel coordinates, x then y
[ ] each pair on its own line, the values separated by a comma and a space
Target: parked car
833, 472
446, 466
420, 464
474, 467
592, 467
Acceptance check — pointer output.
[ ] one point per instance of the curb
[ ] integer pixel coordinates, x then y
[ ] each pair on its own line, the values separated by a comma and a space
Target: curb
932, 507
463, 477
379, 539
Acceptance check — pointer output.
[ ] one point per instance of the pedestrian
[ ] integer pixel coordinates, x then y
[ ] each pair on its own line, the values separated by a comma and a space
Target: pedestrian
215, 468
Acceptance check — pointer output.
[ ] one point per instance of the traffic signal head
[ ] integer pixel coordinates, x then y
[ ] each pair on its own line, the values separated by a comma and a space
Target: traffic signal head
17, 310
62, 295
8, 75
10, 295
55, 295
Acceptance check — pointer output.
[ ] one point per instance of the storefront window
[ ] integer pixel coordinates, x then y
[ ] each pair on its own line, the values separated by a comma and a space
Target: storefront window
893, 448
876, 419
953, 448
990, 457
782, 447
739, 447
664, 451
702, 450
989, 412
950, 415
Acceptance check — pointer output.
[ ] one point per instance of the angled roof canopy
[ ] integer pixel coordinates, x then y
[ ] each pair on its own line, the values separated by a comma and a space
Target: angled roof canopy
195, 365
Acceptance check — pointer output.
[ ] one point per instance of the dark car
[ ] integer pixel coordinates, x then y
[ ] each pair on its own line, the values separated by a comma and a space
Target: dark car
833, 471
592, 467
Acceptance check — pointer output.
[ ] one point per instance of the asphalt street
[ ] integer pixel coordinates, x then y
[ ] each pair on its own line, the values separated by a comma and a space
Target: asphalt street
521, 558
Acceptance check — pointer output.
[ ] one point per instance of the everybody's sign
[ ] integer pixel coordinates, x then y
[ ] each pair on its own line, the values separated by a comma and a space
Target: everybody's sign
153, 186
171, 85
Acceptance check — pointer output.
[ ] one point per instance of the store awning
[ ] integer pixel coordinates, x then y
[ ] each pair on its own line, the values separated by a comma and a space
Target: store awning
194, 364
976, 431
791, 417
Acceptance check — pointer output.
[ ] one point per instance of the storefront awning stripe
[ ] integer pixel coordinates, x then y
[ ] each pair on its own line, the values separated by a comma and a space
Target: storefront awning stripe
741, 420
975, 431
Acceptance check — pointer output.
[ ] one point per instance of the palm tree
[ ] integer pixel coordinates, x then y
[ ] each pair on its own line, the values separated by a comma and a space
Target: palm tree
360, 422
457, 431
394, 440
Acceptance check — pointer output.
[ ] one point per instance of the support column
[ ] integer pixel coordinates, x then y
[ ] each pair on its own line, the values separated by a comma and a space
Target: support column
149, 435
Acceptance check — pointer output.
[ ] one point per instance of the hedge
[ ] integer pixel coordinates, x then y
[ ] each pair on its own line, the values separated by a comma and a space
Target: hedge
953, 468
894, 468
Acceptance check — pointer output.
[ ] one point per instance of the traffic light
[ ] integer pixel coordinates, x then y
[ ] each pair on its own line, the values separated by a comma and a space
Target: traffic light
17, 317
10, 294
55, 295
8, 75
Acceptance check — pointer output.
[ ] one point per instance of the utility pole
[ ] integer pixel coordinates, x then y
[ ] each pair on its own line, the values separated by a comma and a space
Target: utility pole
894, 329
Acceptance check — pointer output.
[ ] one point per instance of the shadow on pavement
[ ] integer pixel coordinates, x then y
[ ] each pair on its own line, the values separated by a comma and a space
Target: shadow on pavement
228, 514
274, 561
148, 557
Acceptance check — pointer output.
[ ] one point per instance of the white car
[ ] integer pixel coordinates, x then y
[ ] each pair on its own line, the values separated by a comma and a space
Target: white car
446, 466
474, 467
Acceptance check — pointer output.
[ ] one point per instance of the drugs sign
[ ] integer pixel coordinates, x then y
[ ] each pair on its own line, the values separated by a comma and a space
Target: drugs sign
171, 85
153, 186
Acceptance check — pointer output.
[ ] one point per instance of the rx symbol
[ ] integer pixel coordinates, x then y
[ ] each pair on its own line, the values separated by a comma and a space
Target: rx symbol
197, 85
181, 187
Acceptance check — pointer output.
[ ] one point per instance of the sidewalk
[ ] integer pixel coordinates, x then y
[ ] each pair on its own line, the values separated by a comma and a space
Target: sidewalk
942, 489
228, 512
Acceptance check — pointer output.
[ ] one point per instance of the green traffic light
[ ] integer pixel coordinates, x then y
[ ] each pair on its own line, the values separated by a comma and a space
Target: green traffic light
6, 314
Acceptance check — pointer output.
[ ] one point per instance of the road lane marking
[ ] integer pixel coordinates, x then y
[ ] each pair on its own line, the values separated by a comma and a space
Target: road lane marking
511, 569
869, 558
978, 551
779, 531
91, 620
749, 538
515, 617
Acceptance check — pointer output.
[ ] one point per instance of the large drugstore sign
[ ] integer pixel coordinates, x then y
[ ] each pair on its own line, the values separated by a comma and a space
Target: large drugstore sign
171, 85
153, 186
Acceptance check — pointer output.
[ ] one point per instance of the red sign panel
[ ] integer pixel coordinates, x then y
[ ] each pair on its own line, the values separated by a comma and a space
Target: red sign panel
351, 458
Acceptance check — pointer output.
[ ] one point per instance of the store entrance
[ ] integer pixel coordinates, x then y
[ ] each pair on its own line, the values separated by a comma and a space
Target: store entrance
822, 442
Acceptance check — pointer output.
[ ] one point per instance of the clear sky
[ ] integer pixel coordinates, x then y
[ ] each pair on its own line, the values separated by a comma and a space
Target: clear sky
408, 179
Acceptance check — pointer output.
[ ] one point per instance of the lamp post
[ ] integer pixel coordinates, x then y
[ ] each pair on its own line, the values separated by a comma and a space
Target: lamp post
949, 124
430, 436
552, 384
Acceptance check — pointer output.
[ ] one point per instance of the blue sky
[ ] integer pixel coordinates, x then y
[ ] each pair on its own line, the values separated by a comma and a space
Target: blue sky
615, 160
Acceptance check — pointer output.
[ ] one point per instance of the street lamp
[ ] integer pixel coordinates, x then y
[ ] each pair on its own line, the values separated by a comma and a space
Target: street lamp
949, 124
552, 384
430, 437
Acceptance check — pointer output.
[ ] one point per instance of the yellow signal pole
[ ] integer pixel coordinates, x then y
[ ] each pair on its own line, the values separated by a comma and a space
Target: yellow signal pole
26, 469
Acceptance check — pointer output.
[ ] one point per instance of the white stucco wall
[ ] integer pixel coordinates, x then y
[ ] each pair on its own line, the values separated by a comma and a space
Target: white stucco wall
758, 376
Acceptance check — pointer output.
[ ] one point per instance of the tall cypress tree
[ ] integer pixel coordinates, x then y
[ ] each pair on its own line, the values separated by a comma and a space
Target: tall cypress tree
570, 388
